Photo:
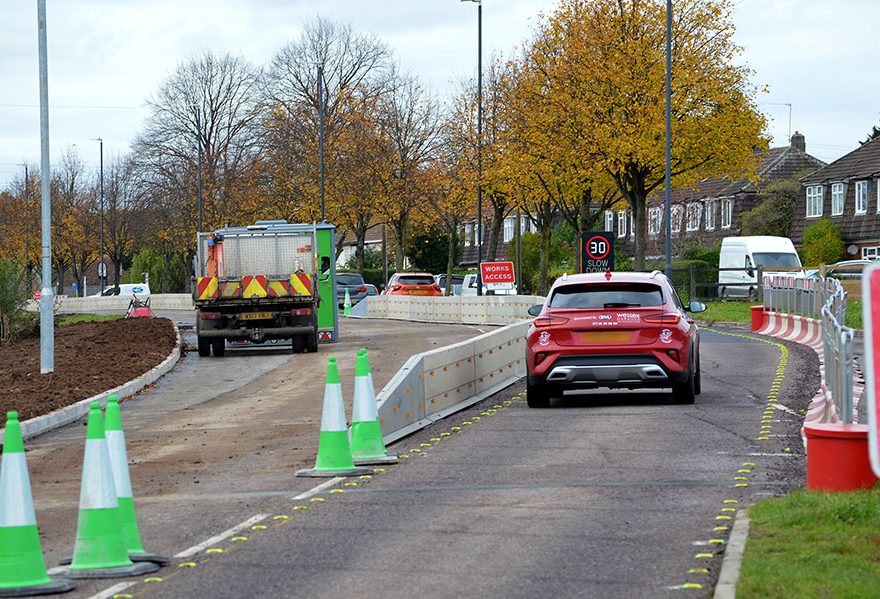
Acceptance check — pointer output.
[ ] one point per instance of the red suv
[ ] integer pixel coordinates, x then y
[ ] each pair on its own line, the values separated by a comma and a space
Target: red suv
614, 329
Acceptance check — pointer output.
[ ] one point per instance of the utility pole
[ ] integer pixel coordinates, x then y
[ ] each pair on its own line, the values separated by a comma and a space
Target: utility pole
47, 297
27, 229
102, 267
668, 203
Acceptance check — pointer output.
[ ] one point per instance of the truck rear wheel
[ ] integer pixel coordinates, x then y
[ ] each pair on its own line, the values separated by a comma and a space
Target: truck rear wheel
218, 344
312, 342
204, 347
299, 343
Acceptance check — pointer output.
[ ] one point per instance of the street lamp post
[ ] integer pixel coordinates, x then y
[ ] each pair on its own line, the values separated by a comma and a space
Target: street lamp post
102, 268
47, 296
199, 144
668, 202
321, 135
479, 140
27, 229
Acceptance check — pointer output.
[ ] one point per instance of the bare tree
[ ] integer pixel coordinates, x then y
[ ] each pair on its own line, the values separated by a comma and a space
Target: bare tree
210, 105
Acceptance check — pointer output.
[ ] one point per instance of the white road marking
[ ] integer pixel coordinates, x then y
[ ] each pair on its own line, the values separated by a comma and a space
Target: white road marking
319, 488
223, 535
116, 588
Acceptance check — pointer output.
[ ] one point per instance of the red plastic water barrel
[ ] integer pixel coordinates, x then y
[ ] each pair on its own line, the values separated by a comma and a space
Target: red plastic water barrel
837, 457
757, 318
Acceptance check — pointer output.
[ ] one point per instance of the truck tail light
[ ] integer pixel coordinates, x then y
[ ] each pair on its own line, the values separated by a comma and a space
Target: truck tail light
210, 316
662, 318
301, 312
546, 321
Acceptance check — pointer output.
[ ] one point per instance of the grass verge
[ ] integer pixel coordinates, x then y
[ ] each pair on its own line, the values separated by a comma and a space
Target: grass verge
813, 544
75, 318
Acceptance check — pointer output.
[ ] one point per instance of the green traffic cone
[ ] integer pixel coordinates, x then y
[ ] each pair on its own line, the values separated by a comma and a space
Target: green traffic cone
346, 305
367, 445
334, 451
22, 567
100, 550
122, 483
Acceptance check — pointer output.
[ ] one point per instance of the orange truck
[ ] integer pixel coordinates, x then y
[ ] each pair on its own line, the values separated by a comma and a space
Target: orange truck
256, 285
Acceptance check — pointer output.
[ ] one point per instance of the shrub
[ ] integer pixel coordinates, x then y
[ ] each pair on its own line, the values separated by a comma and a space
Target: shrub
13, 295
822, 243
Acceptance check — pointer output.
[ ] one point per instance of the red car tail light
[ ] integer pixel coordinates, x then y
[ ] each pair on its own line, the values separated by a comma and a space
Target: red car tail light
361, 289
396, 288
546, 321
673, 353
539, 357
301, 312
662, 318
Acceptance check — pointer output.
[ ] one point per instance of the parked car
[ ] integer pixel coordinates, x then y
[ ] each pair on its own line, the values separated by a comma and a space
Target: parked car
126, 289
469, 287
371, 290
354, 282
750, 254
617, 330
457, 281
845, 269
412, 283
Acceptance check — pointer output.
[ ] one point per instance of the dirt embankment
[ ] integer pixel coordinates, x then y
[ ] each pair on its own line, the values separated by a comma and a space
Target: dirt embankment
90, 358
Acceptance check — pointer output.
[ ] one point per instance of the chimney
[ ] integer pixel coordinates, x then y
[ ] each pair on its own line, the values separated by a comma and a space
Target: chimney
798, 141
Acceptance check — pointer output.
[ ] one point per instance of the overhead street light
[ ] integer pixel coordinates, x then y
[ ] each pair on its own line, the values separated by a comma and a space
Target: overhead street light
479, 141
47, 296
102, 267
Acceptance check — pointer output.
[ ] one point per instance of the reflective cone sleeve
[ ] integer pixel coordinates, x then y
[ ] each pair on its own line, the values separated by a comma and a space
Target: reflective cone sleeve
366, 431
346, 306
21, 557
121, 478
334, 451
99, 538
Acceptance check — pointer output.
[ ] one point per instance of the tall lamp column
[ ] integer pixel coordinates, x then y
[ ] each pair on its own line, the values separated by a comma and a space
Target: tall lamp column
479, 140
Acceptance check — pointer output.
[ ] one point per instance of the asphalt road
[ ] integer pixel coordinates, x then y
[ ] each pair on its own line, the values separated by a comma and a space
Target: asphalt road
608, 494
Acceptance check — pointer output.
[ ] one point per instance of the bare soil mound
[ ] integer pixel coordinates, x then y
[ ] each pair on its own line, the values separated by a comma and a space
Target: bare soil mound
90, 358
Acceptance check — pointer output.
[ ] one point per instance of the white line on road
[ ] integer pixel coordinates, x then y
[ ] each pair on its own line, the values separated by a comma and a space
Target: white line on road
319, 488
116, 588
223, 535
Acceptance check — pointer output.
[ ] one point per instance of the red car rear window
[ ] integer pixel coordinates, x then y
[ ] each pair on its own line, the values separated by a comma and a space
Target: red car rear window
611, 295
415, 280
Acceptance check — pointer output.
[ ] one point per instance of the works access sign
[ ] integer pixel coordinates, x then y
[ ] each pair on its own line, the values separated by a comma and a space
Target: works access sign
597, 251
497, 275
871, 321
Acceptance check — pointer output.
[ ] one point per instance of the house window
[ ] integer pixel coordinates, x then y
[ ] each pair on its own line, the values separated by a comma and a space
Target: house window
838, 193
655, 220
726, 213
609, 221
710, 214
871, 253
676, 217
694, 211
509, 228
814, 200
468, 235
861, 197
621, 223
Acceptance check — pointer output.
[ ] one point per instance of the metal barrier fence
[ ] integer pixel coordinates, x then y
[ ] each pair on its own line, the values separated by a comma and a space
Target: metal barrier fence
824, 299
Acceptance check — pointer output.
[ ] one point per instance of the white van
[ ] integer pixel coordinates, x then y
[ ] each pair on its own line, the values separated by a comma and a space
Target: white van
469, 287
127, 289
752, 253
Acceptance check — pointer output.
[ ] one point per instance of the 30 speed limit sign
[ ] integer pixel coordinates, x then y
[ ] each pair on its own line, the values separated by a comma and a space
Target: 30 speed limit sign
597, 251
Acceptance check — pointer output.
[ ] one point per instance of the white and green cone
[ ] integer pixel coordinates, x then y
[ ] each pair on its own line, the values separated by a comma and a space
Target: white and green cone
334, 450
367, 445
22, 567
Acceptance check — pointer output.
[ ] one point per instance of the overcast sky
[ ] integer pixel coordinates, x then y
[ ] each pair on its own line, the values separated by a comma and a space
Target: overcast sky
107, 57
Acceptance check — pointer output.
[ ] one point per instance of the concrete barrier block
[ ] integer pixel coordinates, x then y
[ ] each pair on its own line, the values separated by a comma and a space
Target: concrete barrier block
402, 401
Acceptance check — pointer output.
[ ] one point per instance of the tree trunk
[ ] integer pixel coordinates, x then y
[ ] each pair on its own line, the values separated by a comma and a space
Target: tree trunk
497, 227
640, 227
546, 230
450, 258
360, 242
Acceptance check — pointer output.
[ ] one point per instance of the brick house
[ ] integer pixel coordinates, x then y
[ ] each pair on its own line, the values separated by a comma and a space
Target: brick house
847, 192
711, 210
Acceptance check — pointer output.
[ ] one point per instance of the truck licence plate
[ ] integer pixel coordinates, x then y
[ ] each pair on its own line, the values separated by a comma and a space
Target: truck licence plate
256, 316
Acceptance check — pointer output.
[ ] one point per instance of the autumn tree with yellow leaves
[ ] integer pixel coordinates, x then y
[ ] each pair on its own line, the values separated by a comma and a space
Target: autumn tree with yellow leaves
601, 64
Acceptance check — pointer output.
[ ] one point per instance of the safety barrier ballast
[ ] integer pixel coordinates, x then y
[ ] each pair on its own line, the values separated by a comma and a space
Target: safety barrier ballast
488, 309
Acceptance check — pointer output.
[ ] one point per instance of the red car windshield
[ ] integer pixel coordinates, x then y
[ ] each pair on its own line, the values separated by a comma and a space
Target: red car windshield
610, 295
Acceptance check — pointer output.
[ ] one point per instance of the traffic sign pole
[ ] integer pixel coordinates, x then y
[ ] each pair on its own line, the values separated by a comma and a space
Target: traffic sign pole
871, 320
